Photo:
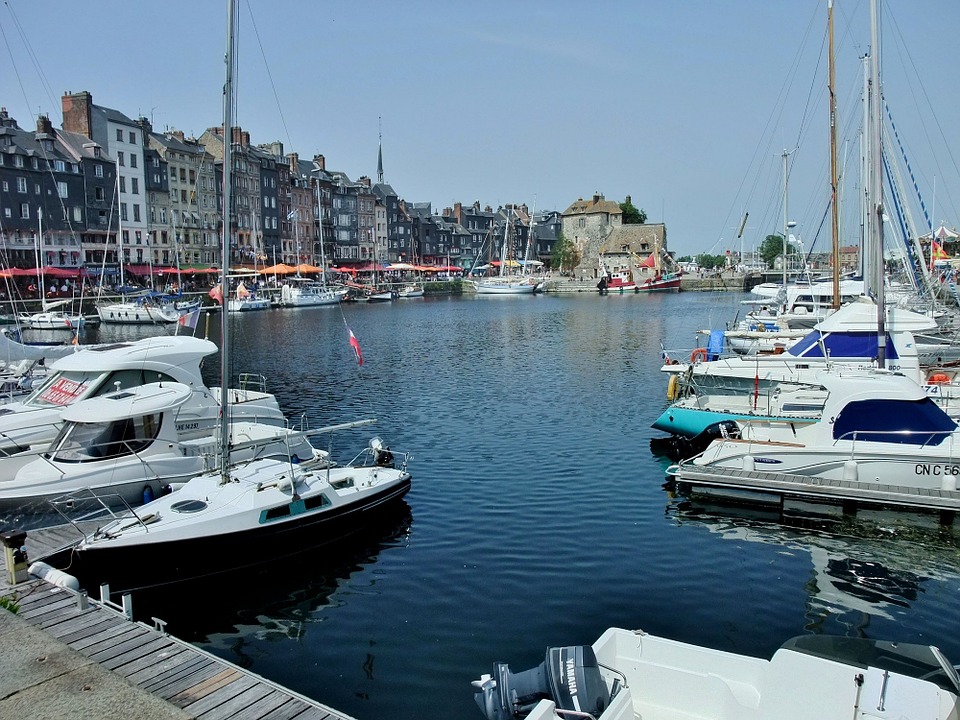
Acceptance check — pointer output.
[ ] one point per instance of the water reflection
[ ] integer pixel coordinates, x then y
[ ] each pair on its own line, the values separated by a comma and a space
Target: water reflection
859, 571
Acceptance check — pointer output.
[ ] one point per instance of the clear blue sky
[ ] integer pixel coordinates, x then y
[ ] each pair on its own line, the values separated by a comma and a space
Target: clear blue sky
686, 105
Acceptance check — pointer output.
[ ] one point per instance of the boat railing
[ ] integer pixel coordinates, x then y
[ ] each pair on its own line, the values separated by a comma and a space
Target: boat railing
919, 438
253, 381
103, 505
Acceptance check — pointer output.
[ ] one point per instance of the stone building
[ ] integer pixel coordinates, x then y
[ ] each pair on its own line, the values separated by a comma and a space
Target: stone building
587, 224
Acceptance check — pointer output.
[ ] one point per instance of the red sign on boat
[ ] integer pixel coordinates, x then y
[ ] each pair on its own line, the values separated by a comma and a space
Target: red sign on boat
63, 392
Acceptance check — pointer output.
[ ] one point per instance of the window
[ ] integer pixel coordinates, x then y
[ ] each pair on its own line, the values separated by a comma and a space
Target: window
7, 213
119, 135
123, 211
98, 193
136, 214
62, 189
156, 162
59, 166
133, 159
134, 186
163, 214
133, 138
98, 170
25, 211
120, 161
21, 185
123, 184
138, 234
156, 178
18, 161
77, 213
6, 186
36, 189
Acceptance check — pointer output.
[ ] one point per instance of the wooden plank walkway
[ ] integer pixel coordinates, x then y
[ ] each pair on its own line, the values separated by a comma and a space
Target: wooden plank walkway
820, 488
45, 541
201, 684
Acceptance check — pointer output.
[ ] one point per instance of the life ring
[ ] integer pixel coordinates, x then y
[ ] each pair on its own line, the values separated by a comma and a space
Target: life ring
700, 353
672, 386
939, 379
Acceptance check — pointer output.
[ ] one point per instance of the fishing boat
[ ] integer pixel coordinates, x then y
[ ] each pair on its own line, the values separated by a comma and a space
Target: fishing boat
630, 674
654, 277
130, 446
242, 512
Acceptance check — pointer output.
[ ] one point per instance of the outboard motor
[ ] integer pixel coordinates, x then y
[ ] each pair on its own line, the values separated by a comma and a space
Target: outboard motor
570, 676
677, 447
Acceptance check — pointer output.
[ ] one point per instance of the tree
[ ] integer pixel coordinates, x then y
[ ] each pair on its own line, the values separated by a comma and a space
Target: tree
566, 256
632, 216
684, 259
709, 262
772, 248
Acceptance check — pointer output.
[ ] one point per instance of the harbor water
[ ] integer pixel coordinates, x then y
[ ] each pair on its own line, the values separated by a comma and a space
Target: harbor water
537, 515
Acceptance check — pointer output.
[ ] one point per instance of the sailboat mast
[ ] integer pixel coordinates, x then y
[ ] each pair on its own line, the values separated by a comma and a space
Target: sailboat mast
38, 253
876, 180
834, 213
225, 249
123, 282
323, 257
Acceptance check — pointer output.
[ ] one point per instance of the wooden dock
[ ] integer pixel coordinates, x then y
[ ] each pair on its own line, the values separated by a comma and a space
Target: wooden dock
196, 681
199, 683
846, 493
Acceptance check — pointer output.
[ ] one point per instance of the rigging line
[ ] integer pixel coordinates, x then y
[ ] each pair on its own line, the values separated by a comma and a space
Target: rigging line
906, 161
902, 48
33, 57
266, 65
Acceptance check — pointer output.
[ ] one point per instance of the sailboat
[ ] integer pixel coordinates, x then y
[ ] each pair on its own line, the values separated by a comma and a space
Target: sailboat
305, 293
235, 515
505, 283
50, 318
654, 276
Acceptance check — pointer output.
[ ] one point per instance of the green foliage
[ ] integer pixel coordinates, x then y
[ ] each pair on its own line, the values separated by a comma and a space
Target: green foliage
772, 248
685, 259
565, 256
631, 215
9, 602
709, 262
443, 287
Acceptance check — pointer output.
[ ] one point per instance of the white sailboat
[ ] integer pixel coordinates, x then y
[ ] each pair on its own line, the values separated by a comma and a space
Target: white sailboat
230, 517
505, 283
303, 293
49, 318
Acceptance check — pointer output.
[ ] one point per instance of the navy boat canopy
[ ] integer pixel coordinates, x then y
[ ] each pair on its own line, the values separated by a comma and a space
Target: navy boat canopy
911, 422
841, 345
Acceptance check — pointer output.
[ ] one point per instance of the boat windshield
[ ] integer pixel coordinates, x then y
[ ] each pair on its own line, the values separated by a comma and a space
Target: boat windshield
912, 422
917, 661
66, 387
841, 345
87, 441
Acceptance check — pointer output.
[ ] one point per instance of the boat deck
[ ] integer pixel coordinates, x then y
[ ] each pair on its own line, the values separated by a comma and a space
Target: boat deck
169, 669
947, 502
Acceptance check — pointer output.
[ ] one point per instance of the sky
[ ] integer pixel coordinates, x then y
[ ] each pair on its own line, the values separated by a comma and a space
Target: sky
686, 106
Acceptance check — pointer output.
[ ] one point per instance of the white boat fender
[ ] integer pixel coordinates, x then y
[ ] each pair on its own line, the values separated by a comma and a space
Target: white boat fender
53, 576
949, 482
850, 471
748, 463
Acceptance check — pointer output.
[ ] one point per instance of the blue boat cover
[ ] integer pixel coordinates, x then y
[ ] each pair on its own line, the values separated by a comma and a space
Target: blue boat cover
715, 344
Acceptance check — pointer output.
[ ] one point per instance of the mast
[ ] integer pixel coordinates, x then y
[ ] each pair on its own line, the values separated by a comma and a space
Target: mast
123, 282
533, 224
834, 212
323, 257
225, 250
876, 181
38, 253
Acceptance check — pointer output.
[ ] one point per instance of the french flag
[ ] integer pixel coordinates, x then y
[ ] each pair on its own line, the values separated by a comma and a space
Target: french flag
355, 344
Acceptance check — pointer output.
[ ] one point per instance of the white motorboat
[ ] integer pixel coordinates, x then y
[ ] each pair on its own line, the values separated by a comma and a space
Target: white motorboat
129, 446
52, 319
123, 366
876, 427
410, 291
309, 294
626, 675
240, 513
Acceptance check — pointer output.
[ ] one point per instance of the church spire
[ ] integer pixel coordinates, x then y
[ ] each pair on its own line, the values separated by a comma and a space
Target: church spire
379, 154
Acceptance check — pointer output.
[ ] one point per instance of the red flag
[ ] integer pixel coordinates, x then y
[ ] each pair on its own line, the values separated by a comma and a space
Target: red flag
355, 344
216, 292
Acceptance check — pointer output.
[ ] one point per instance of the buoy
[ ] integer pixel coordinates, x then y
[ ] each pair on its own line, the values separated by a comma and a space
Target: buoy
147, 494
850, 471
672, 386
53, 576
939, 379
698, 355
949, 482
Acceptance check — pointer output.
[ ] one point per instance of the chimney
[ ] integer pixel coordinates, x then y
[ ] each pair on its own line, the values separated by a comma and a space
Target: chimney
236, 136
178, 134
320, 162
458, 212
44, 126
246, 139
365, 181
294, 160
77, 108
596, 198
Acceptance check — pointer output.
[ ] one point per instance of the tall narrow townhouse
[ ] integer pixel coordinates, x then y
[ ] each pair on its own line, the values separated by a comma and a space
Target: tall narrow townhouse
123, 140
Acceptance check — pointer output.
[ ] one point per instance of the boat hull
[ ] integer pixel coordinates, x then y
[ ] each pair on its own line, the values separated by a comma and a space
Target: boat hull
129, 567
519, 288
